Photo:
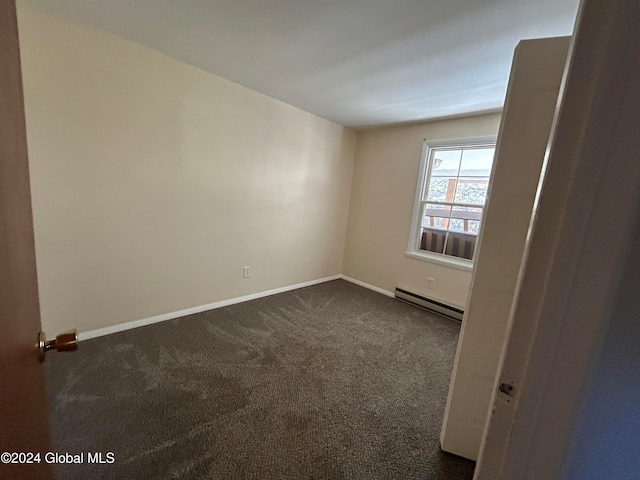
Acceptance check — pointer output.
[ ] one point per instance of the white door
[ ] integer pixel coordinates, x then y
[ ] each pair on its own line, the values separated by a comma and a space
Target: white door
534, 83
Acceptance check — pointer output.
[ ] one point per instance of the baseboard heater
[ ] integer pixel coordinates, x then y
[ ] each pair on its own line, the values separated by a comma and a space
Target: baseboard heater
431, 305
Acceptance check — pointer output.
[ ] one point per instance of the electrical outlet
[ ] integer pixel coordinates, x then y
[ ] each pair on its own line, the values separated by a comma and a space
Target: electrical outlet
246, 272
429, 282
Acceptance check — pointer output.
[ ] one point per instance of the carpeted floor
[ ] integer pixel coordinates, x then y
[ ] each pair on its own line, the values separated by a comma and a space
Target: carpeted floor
332, 381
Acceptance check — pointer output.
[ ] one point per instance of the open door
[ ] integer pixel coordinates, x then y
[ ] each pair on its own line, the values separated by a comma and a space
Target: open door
534, 82
23, 404
575, 275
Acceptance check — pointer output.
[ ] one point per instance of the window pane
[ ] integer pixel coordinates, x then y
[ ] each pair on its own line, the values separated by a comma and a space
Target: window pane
439, 188
456, 225
435, 216
460, 245
472, 190
433, 240
465, 219
474, 226
477, 162
436, 210
445, 163
438, 223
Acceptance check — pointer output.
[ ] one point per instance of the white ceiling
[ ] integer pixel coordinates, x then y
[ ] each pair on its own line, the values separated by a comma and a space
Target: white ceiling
356, 62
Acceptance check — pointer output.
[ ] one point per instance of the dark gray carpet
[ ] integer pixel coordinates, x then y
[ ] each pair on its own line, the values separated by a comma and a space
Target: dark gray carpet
326, 382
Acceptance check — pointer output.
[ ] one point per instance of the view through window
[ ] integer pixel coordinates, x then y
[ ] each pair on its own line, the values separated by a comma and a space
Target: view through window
453, 199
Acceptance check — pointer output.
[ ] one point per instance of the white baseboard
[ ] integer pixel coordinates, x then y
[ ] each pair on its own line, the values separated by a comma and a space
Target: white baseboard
203, 308
368, 285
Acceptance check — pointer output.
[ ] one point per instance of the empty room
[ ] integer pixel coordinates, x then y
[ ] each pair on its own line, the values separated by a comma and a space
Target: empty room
282, 239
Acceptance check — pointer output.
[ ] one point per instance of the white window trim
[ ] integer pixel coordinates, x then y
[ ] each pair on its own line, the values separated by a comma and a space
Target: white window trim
413, 247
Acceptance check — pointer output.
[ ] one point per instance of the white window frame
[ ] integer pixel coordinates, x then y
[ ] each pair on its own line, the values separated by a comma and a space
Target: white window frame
413, 247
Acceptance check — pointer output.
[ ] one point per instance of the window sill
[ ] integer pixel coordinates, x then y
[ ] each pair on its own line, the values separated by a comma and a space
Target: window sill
452, 262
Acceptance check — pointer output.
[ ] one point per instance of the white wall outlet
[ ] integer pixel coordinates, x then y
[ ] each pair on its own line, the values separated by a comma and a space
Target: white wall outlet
429, 282
246, 272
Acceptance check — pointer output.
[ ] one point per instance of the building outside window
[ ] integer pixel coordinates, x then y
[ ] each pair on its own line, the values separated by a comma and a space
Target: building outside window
450, 200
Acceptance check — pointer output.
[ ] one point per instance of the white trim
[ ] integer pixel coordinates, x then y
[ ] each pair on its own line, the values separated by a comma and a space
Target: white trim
413, 246
369, 286
202, 308
446, 260
121, 327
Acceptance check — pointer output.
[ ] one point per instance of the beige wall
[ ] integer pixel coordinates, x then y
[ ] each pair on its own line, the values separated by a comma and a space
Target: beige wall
154, 182
382, 196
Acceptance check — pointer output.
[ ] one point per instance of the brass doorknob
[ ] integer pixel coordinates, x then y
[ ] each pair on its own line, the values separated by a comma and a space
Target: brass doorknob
65, 342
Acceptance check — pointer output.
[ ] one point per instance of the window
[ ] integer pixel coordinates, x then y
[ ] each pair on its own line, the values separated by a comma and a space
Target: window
450, 199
